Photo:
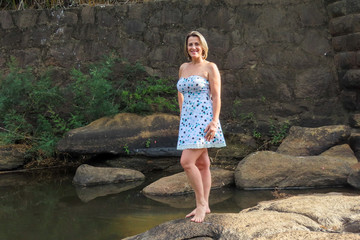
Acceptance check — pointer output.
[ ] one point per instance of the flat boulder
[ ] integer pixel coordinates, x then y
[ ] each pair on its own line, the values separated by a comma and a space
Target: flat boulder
87, 175
318, 216
126, 134
266, 169
303, 141
12, 156
178, 184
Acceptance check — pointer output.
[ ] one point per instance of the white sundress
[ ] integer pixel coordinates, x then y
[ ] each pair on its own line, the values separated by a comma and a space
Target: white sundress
196, 114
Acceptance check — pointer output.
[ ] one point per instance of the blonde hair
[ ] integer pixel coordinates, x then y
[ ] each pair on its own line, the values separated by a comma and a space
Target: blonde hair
203, 44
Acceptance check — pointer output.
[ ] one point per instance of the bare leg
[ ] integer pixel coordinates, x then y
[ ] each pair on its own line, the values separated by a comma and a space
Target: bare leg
188, 159
203, 164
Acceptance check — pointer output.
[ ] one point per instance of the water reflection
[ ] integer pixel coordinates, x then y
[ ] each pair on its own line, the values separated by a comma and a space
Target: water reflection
87, 194
188, 200
46, 207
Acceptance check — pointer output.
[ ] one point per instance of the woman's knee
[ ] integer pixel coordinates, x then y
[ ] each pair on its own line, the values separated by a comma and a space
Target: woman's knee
185, 162
203, 163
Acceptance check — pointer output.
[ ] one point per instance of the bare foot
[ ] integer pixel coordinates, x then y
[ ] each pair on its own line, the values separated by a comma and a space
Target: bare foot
194, 211
200, 213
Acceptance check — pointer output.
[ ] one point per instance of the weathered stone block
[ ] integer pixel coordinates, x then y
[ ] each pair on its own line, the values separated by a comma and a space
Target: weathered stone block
27, 57
134, 50
353, 42
313, 82
192, 19
354, 120
337, 9
12, 39
26, 18
134, 27
350, 100
315, 43
88, 15
104, 18
152, 36
356, 23
161, 54
6, 20
339, 43
137, 11
240, 57
345, 60
70, 18
310, 15
61, 55
351, 79
352, 6
341, 25
43, 18
218, 42
87, 32
217, 18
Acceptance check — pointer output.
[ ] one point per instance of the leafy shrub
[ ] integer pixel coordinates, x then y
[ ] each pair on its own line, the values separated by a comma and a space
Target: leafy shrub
31, 109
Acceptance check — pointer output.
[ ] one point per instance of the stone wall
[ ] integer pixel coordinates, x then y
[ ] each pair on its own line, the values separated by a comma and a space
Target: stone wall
274, 55
344, 27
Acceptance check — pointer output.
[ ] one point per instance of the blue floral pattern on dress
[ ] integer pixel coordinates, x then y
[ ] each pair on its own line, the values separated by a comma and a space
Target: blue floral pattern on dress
196, 114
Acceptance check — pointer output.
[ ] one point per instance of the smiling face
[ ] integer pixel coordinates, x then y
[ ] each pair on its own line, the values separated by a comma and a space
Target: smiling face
194, 47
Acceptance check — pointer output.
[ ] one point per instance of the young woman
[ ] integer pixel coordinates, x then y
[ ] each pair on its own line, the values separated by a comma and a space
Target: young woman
199, 90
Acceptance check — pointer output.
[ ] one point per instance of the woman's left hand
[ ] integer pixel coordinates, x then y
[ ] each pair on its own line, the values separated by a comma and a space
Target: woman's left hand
210, 130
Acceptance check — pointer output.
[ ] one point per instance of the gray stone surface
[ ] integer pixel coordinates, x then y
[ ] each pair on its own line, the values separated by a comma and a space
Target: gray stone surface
303, 141
267, 48
320, 216
122, 134
87, 175
267, 169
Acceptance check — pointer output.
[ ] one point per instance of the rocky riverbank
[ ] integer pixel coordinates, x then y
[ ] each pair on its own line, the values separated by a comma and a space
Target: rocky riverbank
318, 216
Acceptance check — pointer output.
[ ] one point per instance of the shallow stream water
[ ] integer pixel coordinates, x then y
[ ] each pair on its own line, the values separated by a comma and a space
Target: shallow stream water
46, 206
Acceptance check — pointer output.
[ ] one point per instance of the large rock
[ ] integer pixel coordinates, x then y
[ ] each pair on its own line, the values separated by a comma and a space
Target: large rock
354, 176
87, 175
355, 144
12, 156
303, 141
124, 133
320, 216
266, 169
178, 184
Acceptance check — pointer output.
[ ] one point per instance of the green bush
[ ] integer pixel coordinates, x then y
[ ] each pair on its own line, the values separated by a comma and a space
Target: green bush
32, 108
